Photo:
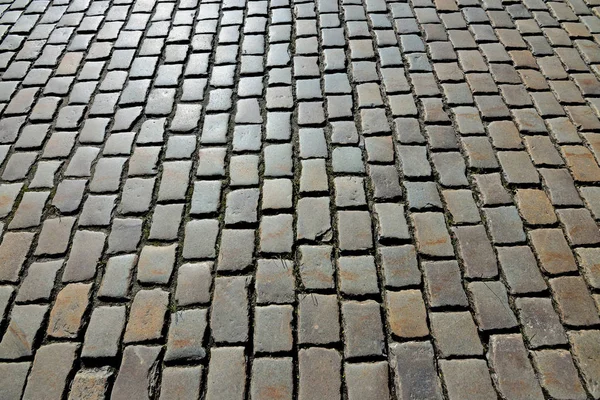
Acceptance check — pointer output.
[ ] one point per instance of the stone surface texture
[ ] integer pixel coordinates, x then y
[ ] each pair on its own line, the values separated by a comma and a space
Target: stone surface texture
299, 199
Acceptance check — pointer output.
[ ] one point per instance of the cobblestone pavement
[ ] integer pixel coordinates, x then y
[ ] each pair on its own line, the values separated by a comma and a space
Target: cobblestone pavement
299, 200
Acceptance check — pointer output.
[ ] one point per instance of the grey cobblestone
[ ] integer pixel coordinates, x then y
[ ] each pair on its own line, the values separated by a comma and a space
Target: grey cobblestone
39, 282
362, 329
13, 252
180, 381
117, 276
443, 284
579, 225
515, 375
85, 253
276, 234
274, 281
186, 334
418, 378
194, 284
200, 239
540, 322
229, 313
520, 270
14, 375
316, 268
367, 380
391, 221
91, 383
585, 350
50, 370
314, 176
104, 331
135, 373
558, 363
155, 264
165, 222
319, 374
226, 373
467, 378
318, 319
400, 267
490, 303
23, 327
505, 225
273, 330
455, 334
574, 302
355, 230
314, 220
431, 234
462, 206
357, 275
272, 377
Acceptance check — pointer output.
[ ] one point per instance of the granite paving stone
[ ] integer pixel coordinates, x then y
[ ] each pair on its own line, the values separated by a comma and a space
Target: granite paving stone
274, 281
319, 371
432, 235
226, 373
520, 270
135, 373
23, 327
85, 254
490, 305
468, 378
272, 377
574, 303
455, 334
540, 322
186, 335
39, 283
559, 376
363, 329
367, 380
443, 284
357, 275
50, 371
407, 313
316, 267
13, 253
180, 381
585, 349
414, 370
104, 332
515, 376
229, 314
273, 330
